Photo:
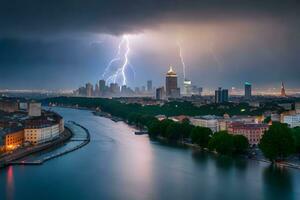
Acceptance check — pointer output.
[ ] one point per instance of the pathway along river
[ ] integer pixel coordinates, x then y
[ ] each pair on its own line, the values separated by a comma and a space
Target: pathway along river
117, 164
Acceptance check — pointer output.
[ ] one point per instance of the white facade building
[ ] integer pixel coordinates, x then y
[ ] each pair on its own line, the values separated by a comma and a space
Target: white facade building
37, 135
208, 121
292, 120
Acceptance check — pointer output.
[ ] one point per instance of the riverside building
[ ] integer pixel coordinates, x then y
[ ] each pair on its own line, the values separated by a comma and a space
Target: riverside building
253, 132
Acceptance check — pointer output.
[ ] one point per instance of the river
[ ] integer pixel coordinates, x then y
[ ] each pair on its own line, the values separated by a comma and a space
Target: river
117, 164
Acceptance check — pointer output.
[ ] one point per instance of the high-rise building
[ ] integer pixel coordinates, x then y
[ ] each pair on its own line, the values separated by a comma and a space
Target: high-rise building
124, 89
160, 93
187, 88
143, 89
114, 88
89, 89
171, 82
97, 90
282, 92
221, 95
248, 90
82, 91
102, 86
149, 85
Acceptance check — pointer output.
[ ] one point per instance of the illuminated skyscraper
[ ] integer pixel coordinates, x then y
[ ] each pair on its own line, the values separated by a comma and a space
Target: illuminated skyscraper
187, 87
282, 92
248, 90
171, 82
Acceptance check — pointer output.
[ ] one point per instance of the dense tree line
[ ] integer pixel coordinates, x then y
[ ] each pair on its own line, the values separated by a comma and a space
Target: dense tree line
280, 141
173, 108
221, 142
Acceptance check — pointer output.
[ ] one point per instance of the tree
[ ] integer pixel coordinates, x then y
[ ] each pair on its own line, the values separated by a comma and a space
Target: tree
201, 136
186, 128
163, 126
173, 132
154, 128
221, 142
241, 143
277, 142
296, 135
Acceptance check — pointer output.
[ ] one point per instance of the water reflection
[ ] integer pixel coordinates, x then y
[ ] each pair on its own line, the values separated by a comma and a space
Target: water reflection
277, 183
9, 183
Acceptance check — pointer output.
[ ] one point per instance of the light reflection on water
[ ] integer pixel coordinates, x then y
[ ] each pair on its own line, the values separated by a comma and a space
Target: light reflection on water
117, 164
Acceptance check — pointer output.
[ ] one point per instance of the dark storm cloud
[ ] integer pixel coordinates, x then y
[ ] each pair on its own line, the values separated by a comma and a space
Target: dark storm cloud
19, 18
51, 44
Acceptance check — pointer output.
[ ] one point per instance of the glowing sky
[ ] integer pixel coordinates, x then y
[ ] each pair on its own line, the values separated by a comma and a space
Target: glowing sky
65, 44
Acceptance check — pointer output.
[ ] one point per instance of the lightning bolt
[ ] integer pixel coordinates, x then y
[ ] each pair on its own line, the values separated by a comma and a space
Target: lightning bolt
181, 59
121, 71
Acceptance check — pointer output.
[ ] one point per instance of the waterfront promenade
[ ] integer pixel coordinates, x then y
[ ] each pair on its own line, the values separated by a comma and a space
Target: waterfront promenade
37, 155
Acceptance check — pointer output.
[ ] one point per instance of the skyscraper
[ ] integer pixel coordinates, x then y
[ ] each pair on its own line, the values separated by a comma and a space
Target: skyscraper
101, 86
89, 89
248, 90
149, 85
187, 87
282, 92
97, 91
221, 95
171, 82
160, 93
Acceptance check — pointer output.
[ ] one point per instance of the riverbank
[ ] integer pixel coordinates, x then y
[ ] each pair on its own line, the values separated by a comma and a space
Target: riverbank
195, 146
21, 153
58, 151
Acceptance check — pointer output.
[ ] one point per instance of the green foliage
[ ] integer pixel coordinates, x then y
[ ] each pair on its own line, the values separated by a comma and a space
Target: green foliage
154, 128
240, 143
278, 142
174, 132
296, 135
173, 108
201, 136
221, 142
164, 124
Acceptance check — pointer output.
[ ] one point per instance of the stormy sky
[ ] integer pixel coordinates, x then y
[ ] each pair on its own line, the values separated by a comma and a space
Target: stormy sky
63, 44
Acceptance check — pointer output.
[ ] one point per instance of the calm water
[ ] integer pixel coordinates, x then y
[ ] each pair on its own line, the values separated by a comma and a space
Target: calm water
116, 164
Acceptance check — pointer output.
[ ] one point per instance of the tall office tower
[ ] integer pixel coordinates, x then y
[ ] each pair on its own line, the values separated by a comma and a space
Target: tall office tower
248, 90
187, 88
114, 88
102, 87
124, 89
97, 90
171, 82
82, 91
89, 89
143, 89
149, 85
221, 95
160, 93
225, 95
282, 92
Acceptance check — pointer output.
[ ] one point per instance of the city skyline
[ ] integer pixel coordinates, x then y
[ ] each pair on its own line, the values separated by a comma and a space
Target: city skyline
216, 44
